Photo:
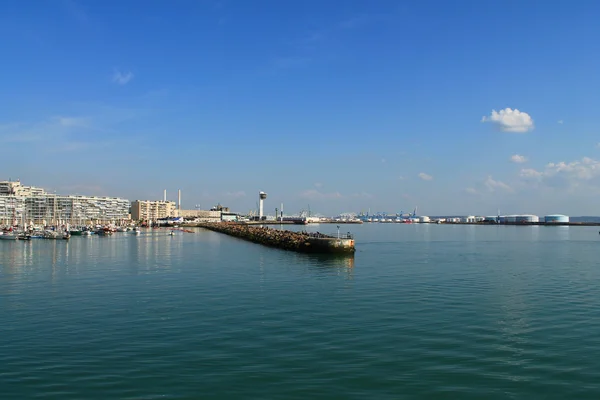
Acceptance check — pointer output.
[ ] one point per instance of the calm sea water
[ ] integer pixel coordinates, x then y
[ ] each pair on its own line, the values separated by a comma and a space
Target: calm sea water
421, 311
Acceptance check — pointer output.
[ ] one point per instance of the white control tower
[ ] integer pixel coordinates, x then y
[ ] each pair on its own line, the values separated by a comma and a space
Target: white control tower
261, 199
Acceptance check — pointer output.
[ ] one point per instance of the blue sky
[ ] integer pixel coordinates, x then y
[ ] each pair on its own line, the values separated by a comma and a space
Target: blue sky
340, 105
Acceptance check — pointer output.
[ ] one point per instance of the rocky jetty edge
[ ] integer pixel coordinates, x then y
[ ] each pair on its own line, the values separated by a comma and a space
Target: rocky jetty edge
302, 242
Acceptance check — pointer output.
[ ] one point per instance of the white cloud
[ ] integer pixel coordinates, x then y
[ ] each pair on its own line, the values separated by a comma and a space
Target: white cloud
518, 159
530, 173
313, 194
471, 190
567, 174
509, 120
494, 185
401, 178
318, 184
560, 121
122, 78
425, 176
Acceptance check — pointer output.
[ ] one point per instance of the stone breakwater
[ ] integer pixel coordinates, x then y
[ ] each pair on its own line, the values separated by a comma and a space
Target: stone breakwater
287, 240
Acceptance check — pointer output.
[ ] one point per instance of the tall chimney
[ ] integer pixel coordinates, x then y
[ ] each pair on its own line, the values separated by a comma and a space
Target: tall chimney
179, 199
165, 195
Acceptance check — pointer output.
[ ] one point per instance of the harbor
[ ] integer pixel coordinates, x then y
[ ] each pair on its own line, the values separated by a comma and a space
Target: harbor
32, 212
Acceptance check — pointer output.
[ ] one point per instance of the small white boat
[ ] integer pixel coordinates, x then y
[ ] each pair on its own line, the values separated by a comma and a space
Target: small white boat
86, 233
171, 233
8, 236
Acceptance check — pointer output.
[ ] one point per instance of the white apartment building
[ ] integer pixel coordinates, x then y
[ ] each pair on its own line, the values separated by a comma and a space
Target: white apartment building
15, 188
25, 204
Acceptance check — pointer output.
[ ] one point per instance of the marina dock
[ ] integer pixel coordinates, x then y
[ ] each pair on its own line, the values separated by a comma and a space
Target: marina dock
302, 242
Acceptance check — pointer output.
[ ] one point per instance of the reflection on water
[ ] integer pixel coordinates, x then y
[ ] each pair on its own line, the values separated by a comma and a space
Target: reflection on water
328, 263
562, 232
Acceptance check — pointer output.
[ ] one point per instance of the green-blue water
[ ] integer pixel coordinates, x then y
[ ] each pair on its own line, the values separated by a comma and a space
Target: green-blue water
422, 311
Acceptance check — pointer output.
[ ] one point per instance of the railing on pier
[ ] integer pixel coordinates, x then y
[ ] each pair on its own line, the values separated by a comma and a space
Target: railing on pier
329, 236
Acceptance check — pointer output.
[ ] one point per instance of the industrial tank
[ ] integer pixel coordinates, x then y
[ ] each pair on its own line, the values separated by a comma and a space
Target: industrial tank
556, 219
526, 219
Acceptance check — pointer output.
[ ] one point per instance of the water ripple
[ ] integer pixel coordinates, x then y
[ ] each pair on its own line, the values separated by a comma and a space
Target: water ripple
418, 312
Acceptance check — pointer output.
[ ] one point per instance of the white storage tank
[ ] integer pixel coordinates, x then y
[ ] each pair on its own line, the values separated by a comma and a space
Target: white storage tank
556, 219
424, 219
511, 219
526, 219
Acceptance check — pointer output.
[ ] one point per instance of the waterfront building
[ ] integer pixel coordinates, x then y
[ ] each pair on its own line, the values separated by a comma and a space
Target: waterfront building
201, 215
149, 210
15, 188
31, 205
229, 216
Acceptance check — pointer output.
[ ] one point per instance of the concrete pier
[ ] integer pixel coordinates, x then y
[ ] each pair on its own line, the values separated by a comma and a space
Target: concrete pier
287, 240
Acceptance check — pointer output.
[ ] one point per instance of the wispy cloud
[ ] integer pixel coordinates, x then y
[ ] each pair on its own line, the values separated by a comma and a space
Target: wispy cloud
306, 48
313, 194
73, 122
425, 177
493, 185
318, 184
363, 195
122, 78
488, 186
39, 132
560, 121
235, 195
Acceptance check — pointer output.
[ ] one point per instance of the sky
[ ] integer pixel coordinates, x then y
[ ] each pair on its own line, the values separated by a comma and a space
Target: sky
457, 108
